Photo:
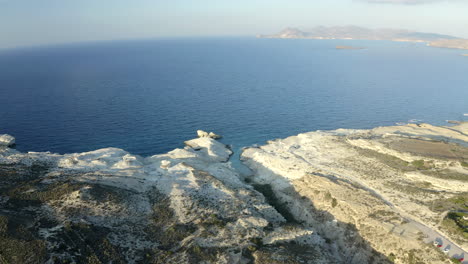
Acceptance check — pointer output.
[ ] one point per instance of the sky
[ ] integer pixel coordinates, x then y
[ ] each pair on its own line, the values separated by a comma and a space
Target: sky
43, 22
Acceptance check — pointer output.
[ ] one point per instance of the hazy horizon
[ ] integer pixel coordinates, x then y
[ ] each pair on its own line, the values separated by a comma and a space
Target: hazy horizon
30, 23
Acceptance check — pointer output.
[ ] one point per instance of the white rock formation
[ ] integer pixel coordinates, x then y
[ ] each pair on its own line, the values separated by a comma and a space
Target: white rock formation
7, 140
197, 182
210, 147
202, 133
212, 135
165, 164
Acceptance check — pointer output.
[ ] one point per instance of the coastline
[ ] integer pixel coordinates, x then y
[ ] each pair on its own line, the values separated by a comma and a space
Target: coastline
433, 44
319, 186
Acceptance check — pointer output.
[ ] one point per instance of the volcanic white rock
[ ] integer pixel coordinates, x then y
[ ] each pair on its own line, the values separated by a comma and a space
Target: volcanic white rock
183, 204
212, 135
165, 164
7, 140
202, 133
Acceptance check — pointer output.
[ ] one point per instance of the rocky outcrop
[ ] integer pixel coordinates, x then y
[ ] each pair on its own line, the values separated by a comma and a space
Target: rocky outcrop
186, 206
212, 135
7, 140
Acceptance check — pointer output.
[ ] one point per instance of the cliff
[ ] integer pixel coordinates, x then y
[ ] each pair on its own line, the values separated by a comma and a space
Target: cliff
109, 206
345, 196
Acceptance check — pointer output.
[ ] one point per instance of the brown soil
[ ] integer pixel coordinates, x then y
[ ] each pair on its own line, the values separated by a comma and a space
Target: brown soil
435, 149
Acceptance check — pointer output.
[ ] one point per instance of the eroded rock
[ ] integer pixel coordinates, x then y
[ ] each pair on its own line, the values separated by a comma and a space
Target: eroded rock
186, 206
212, 135
7, 140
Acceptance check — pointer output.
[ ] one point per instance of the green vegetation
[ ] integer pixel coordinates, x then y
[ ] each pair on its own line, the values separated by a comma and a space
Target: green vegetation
413, 189
332, 199
38, 169
399, 164
213, 219
13, 250
455, 260
165, 229
194, 254
464, 164
102, 193
447, 174
389, 160
456, 225
382, 213
172, 236
455, 203
32, 191
84, 243
418, 164
14, 239
209, 255
93, 259
423, 184
91, 242
289, 253
199, 254
257, 241
334, 202
3, 224
386, 216
156, 256
423, 164
412, 257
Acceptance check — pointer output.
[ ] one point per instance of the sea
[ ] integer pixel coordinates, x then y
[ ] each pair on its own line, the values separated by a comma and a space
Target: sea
149, 96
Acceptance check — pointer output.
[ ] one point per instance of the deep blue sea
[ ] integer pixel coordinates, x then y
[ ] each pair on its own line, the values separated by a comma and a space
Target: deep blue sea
149, 96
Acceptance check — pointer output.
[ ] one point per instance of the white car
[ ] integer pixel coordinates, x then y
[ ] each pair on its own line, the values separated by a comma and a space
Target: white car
436, 243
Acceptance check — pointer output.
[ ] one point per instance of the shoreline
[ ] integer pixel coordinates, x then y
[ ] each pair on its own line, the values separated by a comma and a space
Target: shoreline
375, 182
427, 43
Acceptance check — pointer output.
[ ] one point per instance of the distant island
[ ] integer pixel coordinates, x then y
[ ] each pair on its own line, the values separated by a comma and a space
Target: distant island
466, 55
360, 33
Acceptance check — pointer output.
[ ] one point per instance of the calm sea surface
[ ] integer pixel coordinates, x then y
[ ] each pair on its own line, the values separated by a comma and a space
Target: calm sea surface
147, 97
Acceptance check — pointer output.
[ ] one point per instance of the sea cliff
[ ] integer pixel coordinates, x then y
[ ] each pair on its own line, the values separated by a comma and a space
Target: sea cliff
345, 196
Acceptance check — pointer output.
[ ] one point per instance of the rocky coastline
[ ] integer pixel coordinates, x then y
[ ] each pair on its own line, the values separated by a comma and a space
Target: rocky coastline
384, 195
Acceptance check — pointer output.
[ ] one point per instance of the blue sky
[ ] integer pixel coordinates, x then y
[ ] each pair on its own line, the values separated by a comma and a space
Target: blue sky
39, 22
